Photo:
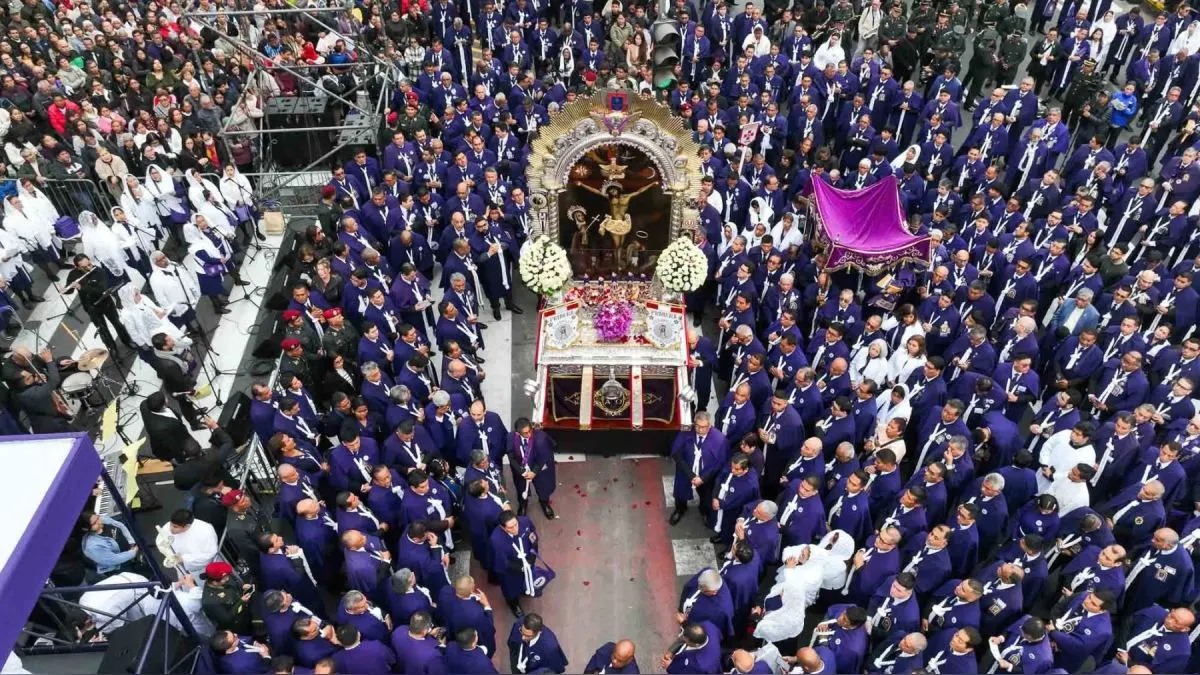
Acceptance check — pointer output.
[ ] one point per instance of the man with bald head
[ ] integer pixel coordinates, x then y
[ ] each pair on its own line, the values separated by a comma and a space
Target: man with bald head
1133, 519
1163, 574
900, 656
614, 657
1158, 639
317, 536
813, 661
736, 416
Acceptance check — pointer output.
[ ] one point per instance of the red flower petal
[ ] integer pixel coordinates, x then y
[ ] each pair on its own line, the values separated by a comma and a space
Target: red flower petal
615, 480
634, 506
571, 457
587, 583
578, 533
647, 502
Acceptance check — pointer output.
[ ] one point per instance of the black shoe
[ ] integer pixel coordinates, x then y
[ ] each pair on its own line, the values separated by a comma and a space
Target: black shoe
549, 511
223, 309
523, 508
496, 313
715, 539
515, 606
238, 281
480, 325
480, 359
514, 309
676, 517
37, 298
259, 235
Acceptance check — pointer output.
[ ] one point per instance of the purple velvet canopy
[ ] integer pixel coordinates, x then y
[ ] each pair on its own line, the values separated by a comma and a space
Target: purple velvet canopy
865, 228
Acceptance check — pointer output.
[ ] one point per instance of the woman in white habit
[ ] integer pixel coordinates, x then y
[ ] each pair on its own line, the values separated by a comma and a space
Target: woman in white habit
161, 188
870, 363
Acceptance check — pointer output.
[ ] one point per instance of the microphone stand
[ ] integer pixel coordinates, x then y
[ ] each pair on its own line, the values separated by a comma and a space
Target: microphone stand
68, 309
209, 352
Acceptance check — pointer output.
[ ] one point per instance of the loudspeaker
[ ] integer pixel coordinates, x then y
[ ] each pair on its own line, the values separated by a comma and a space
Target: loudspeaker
235, 417
269, 346
125, 646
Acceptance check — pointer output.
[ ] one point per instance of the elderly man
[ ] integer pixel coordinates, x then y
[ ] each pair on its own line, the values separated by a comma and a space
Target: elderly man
706, 598
1164, 574
613, 657
1077, 315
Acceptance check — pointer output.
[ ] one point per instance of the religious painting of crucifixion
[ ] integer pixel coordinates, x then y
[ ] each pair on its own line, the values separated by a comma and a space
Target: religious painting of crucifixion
615, 216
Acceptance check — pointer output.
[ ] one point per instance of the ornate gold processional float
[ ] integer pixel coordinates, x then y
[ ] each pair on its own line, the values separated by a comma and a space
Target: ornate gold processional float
613, 181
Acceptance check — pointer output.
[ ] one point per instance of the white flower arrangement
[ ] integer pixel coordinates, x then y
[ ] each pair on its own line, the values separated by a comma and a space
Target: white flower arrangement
682, 267
544, 266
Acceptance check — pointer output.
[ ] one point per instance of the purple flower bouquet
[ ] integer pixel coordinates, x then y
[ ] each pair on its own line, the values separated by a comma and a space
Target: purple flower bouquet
613, 321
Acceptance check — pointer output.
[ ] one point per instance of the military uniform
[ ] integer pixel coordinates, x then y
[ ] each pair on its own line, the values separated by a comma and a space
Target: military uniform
223, 605
993, 14
1084, 87
342, 341
306, 334
1012, 54
984, 64
891, 29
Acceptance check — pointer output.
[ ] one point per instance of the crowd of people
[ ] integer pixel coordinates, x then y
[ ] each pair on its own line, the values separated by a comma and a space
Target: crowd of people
988, 463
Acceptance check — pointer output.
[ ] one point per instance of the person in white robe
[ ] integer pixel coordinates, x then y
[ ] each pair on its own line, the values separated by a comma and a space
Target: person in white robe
112, 609
188, 546
176, 289
104, 245
904, 361
139, 206
161, 188
805, 571
143, 319
871, 363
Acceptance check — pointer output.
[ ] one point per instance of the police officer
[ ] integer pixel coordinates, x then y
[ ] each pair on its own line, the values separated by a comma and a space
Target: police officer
984, 64
1084, 87
1012, 54
226, 605
892, 27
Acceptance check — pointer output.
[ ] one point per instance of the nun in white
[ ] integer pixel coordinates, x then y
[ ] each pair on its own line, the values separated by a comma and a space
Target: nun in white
14, 269
218, 215
239, 196
26, 218
106, 246
161, 187
140, 240
197, 186
144, 319
870, 363
760, 212
906, 360
139, 206
208, 256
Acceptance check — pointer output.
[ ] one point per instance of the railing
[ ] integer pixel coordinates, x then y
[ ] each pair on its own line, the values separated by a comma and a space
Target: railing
74, 195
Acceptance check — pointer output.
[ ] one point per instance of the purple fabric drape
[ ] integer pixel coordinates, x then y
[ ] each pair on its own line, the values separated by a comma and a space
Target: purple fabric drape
865, 228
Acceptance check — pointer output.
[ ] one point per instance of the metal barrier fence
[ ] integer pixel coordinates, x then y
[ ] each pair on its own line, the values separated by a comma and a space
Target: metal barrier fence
74, 195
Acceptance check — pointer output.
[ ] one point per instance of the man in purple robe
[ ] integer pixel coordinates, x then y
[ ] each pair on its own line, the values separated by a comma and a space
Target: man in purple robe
613, 657
514, 550
360, 655
283, 567
317, 535
532, 647
531, 459
871, 564
464, 607
696, 650
428, 503
368, 564
699, 455
419, 551
706, 598
238, 655
466, 655
406, 597
417, 651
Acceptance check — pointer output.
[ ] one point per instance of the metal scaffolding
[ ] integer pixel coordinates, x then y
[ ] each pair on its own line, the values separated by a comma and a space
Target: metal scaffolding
330, 118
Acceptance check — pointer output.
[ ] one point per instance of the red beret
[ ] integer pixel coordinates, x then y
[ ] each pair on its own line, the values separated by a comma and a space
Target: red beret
215, 571
332, 312
327, 191
230, 498
289, 344
291, 314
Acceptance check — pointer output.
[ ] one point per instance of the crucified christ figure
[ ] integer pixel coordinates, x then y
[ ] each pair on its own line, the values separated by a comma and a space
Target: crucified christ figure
618, 222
